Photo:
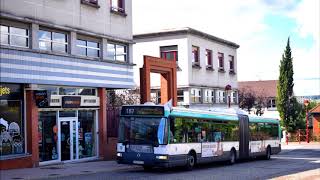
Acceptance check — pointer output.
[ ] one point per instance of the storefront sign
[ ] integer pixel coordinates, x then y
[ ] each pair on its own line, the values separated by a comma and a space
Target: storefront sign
71, 101
41, 98
4, 90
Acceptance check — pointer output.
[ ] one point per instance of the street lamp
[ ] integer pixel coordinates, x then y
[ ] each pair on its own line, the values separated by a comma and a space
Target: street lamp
228, 91
306, 103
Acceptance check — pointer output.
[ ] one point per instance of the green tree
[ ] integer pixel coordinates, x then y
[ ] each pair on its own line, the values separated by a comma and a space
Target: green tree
285, 100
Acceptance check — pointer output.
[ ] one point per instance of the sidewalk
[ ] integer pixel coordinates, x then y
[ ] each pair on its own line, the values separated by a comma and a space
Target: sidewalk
295, 145
63, 170
306, 175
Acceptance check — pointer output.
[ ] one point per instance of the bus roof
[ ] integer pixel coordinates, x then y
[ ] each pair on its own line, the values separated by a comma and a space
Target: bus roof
219, 115
263, 119
216, 113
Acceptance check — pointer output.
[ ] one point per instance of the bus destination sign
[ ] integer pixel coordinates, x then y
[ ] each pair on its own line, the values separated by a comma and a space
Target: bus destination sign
142, 110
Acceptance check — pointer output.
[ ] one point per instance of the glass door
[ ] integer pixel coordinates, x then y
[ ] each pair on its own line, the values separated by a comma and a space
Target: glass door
68, 139
65, 140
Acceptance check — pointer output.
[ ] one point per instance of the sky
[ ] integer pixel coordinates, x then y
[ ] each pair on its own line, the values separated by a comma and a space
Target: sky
260, 27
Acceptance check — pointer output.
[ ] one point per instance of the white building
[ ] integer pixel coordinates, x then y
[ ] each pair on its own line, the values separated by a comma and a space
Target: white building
206, 65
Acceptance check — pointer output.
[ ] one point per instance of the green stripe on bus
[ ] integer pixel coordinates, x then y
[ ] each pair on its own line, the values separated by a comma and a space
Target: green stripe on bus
204, 116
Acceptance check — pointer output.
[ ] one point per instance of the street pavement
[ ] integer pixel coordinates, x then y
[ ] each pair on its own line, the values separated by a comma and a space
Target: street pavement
296, 161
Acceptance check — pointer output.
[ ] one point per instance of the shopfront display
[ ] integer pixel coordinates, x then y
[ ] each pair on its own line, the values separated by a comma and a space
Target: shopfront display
67, 130
12, 134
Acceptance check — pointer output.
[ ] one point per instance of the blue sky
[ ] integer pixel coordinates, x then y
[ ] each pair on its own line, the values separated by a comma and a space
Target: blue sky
260, 27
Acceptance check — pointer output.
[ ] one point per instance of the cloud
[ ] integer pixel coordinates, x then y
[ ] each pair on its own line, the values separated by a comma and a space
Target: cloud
244, 22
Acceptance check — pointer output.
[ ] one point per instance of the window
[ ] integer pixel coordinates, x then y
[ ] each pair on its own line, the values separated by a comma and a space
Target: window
231, 61
117, 52
272, 103
48, 136
221, 97
189, 130
94, 2
180, 96
195, 95
14, 36
169, 52
195, 55
208, 96
263, 131
88, 48
118, 6
209, 58
53, 41
234, 97
12, 134
221, 61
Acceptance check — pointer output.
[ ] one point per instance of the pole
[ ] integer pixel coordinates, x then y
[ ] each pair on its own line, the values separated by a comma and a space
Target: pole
229, 99
307, 128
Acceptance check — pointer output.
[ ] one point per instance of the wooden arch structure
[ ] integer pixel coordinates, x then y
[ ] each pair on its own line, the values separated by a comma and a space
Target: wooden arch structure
168, 71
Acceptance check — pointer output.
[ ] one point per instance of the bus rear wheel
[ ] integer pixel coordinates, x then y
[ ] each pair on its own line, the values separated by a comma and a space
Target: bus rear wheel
232, 158
191, 161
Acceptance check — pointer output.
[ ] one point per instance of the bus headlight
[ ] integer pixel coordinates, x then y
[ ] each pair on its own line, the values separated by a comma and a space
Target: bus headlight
162, 157
119, 154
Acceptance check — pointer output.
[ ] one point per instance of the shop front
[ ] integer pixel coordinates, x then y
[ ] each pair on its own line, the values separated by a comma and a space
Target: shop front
67, 124
12, 123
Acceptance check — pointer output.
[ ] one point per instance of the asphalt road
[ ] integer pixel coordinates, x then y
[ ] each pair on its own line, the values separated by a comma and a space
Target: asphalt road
286, 163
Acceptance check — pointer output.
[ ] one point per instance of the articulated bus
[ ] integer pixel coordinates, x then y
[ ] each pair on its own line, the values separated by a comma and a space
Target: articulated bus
153, 135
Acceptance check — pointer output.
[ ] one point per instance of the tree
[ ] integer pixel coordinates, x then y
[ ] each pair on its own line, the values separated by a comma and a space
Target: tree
118, 98
286, 103
247, 99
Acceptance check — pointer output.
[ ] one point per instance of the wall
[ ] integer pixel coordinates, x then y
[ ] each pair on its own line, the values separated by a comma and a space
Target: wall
36, 68
73, 14
203, 77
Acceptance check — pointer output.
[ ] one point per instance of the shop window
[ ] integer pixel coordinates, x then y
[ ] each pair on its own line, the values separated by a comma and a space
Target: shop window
87, 92
116, 52
53, 41
12, 135
67, 91
87, 132
88, 48
14, 36
48, 136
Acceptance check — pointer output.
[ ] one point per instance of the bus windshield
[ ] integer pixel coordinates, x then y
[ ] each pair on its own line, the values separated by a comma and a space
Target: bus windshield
142, 130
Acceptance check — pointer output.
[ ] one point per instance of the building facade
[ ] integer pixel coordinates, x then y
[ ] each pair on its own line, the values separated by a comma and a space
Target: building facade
206, 65
265, 91
57, 60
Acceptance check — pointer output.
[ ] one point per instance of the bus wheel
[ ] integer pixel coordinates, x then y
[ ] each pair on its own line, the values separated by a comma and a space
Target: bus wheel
268, 153
232, 158
147, 168
191, 161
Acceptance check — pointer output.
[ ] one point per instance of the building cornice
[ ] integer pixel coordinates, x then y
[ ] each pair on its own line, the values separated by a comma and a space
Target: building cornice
185, 31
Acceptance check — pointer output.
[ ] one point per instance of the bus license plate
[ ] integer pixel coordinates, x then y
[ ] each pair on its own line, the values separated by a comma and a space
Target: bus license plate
138, 162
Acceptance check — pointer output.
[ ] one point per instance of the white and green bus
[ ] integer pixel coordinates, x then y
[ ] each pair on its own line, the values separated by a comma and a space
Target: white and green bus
152, 135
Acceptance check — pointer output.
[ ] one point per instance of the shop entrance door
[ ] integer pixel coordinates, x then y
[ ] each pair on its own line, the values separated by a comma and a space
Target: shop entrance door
68, 138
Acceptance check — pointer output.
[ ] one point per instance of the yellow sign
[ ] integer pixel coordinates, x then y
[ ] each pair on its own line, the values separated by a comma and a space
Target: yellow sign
4, 91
